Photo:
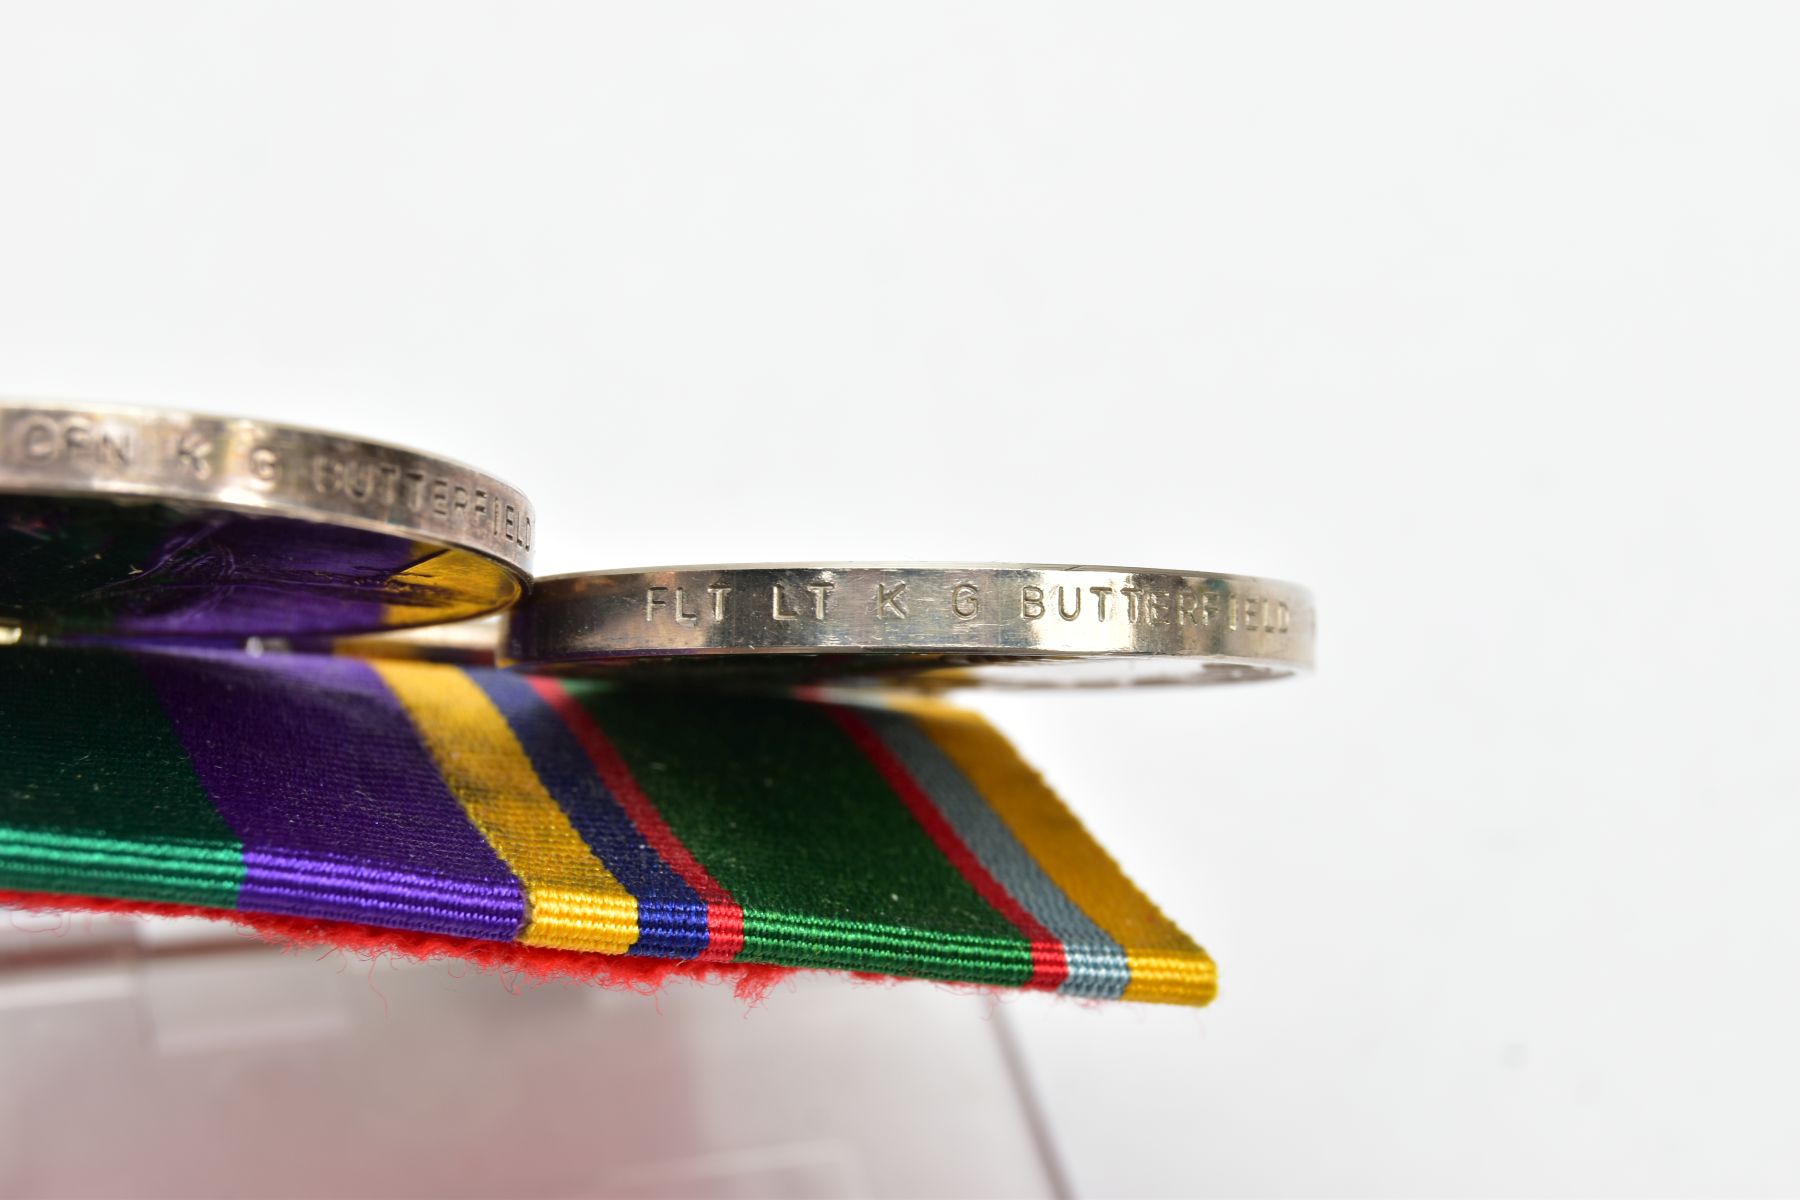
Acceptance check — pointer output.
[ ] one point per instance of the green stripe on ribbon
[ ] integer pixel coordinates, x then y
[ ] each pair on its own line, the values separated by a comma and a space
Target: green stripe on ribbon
97, 796
796, 823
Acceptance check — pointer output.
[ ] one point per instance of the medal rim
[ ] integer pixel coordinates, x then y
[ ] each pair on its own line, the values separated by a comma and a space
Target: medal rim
232, 495
548, 632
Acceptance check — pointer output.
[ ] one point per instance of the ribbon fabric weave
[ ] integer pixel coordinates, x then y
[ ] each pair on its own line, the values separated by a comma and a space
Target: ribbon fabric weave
488, 805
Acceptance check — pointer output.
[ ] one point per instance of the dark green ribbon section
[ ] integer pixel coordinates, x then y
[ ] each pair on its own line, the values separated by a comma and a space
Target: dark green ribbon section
99, 796
794, 821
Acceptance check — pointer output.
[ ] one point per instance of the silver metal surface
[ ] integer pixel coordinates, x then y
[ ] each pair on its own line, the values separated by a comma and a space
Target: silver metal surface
153, 521
932, 624
474, 643
257, 467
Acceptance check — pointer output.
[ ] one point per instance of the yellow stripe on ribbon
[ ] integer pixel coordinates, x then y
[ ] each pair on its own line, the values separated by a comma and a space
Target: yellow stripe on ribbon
1166, 965
572, 901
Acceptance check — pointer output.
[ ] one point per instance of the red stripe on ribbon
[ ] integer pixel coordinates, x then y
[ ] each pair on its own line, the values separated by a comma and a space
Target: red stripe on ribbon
724, 916
1049, 959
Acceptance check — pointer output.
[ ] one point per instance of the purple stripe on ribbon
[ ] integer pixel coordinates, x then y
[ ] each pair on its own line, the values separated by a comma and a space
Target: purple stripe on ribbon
343, 815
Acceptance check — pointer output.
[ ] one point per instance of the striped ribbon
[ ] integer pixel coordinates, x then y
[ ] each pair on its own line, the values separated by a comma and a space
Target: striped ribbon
489, 805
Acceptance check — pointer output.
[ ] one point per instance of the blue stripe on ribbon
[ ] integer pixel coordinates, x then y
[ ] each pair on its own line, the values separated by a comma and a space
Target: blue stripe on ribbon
671, 916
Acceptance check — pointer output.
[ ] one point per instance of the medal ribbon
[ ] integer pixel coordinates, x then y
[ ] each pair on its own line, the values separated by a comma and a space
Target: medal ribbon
565, 814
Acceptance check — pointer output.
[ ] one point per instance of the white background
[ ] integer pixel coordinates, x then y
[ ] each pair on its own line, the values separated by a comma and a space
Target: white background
1479, 319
